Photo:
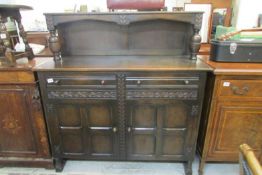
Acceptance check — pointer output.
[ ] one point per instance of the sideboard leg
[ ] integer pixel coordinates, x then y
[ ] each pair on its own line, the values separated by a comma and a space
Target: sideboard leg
188, 167
59, 164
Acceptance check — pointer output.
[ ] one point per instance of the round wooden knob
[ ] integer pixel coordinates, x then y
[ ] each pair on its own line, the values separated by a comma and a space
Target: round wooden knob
114, 129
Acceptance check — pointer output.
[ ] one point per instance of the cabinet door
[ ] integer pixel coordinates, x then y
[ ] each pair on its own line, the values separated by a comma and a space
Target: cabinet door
235, 123
22, 129
158, 129
84, 130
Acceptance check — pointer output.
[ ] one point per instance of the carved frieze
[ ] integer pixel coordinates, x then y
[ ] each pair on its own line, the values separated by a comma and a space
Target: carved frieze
170, 94
69, 94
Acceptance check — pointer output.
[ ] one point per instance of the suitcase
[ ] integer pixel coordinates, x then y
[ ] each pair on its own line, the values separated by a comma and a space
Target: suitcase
236, 51
241, 48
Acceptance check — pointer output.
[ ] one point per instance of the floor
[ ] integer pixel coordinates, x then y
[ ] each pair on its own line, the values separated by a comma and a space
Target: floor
124, 168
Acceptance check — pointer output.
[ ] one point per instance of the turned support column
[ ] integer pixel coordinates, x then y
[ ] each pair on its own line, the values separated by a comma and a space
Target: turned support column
5, 46
23, 34
54, 45
195, 44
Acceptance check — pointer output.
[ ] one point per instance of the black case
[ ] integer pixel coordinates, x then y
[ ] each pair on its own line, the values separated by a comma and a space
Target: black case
236, 51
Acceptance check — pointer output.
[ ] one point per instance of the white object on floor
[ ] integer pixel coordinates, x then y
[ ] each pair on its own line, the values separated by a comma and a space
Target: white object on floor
37, 48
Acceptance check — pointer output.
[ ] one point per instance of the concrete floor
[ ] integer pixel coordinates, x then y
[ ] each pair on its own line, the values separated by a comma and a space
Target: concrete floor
124, 168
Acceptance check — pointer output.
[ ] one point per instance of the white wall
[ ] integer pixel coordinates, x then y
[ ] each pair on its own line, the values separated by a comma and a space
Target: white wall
247, 15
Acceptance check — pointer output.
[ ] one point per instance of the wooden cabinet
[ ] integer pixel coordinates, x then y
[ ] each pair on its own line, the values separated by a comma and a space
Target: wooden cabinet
232, 113
23, 139
122, 116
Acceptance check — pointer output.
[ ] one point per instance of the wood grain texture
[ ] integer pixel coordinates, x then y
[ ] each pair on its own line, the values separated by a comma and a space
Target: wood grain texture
23, 136
232, 112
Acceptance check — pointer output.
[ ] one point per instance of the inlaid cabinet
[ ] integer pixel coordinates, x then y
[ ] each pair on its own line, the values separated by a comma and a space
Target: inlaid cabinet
23, 137
232, 113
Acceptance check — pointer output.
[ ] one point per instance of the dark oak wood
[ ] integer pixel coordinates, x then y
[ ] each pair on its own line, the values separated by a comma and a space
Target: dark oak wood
142, 33
122, 86
23, 137
232, 114
122, 115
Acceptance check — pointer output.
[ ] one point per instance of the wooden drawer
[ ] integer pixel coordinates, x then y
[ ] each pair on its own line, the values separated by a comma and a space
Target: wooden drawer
240, 89
16, 77
80, 80
138, 82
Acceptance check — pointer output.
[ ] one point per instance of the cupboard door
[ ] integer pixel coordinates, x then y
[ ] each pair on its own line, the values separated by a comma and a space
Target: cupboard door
18, 135
235, 123
158, 129
85, 130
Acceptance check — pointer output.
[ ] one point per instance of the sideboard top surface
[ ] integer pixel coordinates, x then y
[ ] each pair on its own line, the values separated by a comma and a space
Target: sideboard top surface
120, 63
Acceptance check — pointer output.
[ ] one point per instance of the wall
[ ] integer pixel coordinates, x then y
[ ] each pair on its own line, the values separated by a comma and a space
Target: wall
248, 11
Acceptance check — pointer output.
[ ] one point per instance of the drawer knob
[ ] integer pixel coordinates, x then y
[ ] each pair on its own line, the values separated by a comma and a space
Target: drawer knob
102, 82
186, 82
240, 91
138, 82
114, 129
129, 129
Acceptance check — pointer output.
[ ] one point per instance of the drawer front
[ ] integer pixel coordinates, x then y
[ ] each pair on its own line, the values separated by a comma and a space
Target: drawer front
160, 81
162, 86
75, 85
241, 89
16, 77
92, 81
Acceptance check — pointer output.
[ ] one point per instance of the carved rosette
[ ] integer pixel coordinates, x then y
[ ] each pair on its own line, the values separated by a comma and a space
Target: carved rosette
11, 125
194, 110
123, 20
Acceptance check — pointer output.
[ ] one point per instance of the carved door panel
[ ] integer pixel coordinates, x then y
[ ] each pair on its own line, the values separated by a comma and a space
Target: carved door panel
235, 123
17, 133
158, 129
85, 130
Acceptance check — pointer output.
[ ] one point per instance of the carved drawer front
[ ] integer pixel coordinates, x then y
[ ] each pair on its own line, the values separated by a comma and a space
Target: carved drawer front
241, 89
168, 87
92, 81
81, 86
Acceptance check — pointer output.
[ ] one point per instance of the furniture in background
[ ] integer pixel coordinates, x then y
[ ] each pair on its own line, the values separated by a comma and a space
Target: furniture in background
13, 11
249, 165
218, 6
23, 136
138, 5
42, 39
128, 87
232, 112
